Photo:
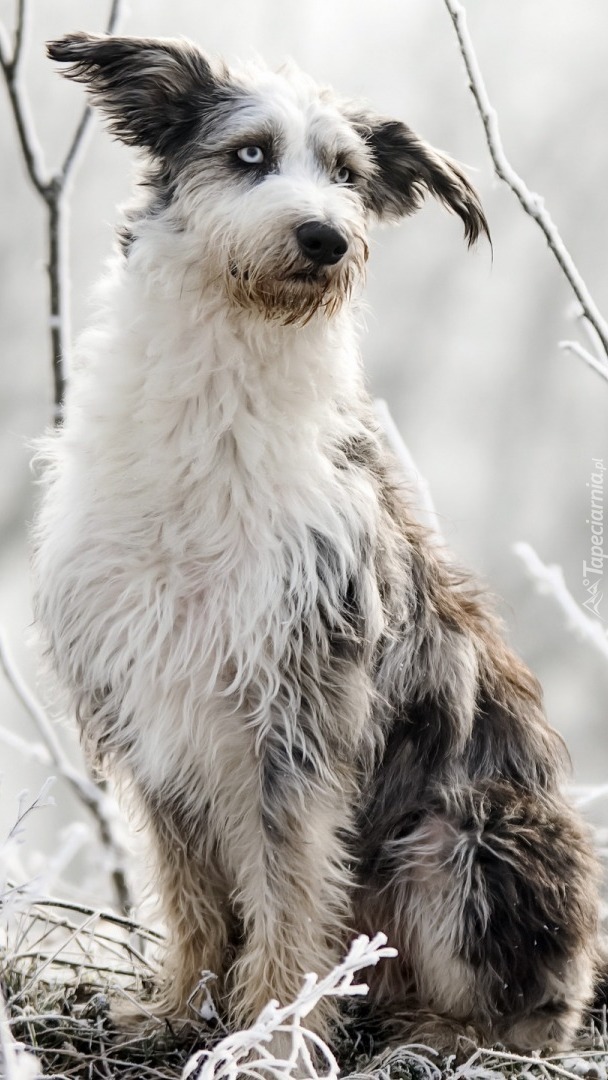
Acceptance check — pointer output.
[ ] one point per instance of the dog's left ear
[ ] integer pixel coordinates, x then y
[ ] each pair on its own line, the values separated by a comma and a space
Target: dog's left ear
409, 169
153, 91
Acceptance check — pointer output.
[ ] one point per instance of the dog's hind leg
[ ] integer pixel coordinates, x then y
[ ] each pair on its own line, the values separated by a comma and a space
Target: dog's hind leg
489, 898
472, 859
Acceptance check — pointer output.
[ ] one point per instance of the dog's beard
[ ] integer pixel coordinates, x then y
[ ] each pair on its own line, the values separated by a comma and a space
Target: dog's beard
290, 292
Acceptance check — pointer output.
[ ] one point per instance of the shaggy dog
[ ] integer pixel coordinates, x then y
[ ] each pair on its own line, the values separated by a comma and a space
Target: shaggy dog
311, 706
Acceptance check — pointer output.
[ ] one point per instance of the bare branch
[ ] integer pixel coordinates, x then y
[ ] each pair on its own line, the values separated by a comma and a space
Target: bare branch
107, 916
4, 48
585, 794
51, 188
78, 141
594, 339
532, 203
584, 354
114, 16
29, 750
23, 19
77, 144
30, 147
550, 580
95, 800
57, 269
16, 1063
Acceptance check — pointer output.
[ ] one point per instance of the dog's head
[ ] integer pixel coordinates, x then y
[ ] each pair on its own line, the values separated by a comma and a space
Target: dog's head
272, 179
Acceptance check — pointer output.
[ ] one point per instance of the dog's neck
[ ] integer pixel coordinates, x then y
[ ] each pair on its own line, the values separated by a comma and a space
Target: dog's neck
173, 361
186, 411
172, 335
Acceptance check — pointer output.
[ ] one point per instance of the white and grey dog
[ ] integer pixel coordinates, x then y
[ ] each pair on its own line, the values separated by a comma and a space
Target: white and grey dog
313, 710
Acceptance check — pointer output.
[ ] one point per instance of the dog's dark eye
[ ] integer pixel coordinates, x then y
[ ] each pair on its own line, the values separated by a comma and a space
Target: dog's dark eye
343, 175
251, 155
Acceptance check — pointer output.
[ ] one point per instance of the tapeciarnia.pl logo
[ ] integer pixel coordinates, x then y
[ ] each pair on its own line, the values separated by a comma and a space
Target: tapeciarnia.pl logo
593, 571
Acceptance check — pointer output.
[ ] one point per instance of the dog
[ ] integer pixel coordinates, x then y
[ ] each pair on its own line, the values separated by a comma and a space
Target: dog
308, 702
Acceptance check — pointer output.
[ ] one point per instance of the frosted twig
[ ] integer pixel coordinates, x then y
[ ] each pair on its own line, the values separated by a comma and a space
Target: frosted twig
96, 801
515, 1059
532, 203
584, 354
585, 794
15, 1062
51, 188
32, 751
11, 65
112, 945
550, 580
77, 142
410, 1059
16, 897
251, 1052
49, 960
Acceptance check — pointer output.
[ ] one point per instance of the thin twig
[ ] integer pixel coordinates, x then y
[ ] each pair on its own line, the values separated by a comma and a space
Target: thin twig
49, 960
77, 964
532, 203
51, 188
111, 945
550, 580
12, 1053
95, 800
20, 32
32, 751
87, 113
30, 148
584, 354
105, 916
584, 794
518, 1059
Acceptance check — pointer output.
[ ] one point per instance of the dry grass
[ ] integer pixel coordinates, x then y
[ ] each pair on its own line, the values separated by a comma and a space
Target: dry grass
60, 970
64, 963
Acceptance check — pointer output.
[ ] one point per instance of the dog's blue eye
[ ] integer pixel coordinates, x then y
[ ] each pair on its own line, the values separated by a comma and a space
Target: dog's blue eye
251, 155
342, 175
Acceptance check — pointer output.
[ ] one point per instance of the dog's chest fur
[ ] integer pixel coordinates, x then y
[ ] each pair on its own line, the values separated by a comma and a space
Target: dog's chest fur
215, 538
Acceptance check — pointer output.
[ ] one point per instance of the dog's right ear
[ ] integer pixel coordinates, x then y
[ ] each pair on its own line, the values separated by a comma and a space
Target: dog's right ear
152, 90
408, 169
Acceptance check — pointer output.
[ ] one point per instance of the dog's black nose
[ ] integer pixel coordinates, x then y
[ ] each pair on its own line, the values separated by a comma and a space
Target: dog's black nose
321, 243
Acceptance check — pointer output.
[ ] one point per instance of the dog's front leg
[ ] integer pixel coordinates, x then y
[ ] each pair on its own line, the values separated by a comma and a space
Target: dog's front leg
194, 899
287, 846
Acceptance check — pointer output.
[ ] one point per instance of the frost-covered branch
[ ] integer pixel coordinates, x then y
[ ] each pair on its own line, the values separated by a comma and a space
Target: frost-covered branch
585, 794
550, 581
579, 350
18, 892
15, 1062
52, 188
51, 752
16, 896
11, 66
82, 127
532, 203
250, 1052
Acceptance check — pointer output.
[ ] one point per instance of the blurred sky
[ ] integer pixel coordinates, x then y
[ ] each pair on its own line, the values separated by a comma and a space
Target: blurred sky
503, 425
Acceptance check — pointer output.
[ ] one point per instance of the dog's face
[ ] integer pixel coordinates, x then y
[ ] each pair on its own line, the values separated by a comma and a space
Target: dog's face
273, 179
